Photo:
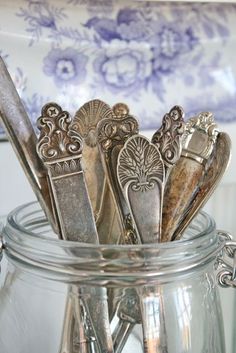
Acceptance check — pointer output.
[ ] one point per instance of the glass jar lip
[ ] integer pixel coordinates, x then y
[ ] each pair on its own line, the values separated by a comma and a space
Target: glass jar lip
12, 221
105, 263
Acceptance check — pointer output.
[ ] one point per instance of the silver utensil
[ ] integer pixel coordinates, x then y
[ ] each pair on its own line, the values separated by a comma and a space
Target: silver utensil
141, 174
85, 123
128, 313
84, 322
183, 183
112, 134
214, 171
23, 139
61, 150
74, 336
168, 138
153, 319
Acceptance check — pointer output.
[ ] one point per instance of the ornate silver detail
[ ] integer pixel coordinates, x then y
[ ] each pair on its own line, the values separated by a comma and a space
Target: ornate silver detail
130, 236
66, 167
85, 124
200, 136
86, 119
129, 308
112, 134
120, 110
139, 164
115, 131
169, 137
60, 149
129, 314
203, 121
141, 175
55, 141
226, 261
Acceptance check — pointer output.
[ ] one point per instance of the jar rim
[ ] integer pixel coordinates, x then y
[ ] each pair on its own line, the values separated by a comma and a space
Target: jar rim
105, 264
13, 220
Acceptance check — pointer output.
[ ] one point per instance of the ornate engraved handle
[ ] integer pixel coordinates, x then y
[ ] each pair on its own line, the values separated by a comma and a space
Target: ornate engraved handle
226, 262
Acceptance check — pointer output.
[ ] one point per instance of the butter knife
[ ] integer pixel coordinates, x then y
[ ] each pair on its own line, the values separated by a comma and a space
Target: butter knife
23, 139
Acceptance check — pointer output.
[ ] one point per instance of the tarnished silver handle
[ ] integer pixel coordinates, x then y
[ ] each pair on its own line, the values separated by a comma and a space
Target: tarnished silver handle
226, 261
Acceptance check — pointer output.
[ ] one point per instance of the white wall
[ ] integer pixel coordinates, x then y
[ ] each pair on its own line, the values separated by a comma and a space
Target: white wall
14, 187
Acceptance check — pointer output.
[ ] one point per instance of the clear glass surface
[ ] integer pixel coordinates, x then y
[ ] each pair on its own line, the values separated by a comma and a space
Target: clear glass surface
165, 296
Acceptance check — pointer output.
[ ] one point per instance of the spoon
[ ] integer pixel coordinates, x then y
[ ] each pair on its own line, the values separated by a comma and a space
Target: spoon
141, 175
211, 178
129, 315
184, 179
168, 141
112, 133
85, 123
168, 138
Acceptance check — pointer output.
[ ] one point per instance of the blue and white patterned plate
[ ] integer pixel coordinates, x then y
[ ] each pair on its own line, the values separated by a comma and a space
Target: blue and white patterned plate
150, 55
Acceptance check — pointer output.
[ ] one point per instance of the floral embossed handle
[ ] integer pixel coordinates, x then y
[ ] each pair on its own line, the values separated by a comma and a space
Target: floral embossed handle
141, 175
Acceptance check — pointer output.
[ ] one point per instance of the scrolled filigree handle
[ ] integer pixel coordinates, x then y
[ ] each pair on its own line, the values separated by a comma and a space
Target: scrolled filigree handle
226, 261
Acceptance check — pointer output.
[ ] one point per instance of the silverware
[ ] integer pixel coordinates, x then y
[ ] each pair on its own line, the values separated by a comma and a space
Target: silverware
141, 174
112, 134
128, 313
183, 183
155, 339
85, 123
23, 139
168, 138
74, 337
213, 173
61, 150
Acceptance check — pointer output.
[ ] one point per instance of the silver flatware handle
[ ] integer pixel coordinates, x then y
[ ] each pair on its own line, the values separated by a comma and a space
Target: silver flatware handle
121, 335
73, 332
23, 139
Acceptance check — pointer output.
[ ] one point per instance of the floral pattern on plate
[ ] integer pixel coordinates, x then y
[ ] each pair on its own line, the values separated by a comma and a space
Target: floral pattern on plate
149, 55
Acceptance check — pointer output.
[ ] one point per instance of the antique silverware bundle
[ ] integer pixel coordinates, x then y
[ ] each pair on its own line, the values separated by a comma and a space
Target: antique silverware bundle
99, 181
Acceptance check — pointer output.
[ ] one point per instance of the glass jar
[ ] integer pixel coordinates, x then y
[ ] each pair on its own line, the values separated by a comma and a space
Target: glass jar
67, 297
